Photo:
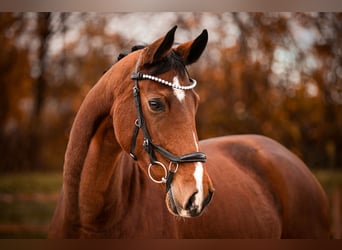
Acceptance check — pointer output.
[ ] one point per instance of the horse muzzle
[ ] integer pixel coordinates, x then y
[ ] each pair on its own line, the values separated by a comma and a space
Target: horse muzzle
193, 207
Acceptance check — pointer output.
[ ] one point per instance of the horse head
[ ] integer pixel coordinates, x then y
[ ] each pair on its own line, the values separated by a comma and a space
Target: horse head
155, 122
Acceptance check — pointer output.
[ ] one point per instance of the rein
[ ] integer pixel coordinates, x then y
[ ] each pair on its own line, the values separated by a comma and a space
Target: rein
148, 145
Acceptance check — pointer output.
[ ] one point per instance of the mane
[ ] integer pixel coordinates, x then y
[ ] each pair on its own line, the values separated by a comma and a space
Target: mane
134, 48
171, 62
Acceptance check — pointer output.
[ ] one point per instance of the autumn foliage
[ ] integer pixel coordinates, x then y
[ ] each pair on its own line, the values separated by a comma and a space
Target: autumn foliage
276, 74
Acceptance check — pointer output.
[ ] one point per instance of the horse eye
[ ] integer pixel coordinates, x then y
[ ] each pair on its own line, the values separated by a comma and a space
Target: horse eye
156, 105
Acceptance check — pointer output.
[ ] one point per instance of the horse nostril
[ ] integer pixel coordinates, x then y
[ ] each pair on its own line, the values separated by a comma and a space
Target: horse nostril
208, 199
190, 205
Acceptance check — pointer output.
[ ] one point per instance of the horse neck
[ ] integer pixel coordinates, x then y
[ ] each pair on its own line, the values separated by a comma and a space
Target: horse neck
109, 178
94, 109
92, 130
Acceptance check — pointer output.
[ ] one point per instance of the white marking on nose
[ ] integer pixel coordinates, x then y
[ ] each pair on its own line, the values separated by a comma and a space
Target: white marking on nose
198, 174
180, 94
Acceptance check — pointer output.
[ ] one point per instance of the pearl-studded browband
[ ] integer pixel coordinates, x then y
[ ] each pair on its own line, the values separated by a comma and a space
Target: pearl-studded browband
142, 76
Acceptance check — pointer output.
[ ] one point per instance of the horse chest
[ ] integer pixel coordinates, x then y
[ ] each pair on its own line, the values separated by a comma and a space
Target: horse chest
233, 217
147, 222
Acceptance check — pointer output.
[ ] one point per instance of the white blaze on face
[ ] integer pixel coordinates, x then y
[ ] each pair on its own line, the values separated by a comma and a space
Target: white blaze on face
180, 94
198, 174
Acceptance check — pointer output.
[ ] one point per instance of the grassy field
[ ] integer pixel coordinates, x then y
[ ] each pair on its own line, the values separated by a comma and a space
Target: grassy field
27, 202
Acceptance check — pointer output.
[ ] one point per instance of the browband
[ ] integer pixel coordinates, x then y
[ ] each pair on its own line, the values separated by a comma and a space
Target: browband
141, 76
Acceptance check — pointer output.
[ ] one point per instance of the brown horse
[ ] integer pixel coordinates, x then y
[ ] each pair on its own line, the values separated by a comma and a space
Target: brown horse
123, 141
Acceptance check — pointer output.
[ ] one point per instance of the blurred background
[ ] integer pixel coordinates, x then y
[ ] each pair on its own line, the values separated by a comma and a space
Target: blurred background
275, 74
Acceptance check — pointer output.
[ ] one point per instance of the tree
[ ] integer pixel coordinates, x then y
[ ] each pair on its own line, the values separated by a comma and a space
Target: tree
277, 74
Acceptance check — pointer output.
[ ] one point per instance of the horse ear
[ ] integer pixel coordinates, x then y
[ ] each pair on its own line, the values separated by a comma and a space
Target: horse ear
159, 48
191, 51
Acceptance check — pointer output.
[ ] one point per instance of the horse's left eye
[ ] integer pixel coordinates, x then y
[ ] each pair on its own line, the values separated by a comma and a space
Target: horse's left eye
156, 105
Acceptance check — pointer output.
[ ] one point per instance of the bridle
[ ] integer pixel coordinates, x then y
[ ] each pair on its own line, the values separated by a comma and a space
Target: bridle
148, 144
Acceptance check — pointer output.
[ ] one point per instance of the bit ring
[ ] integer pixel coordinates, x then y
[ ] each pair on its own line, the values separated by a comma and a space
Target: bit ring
157, 163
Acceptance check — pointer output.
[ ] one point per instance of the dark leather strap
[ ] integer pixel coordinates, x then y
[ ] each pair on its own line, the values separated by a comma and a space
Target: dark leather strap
134, 141
191, 157
169, 180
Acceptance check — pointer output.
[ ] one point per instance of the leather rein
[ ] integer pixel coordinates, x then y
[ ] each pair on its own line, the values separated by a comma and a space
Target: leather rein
148, 144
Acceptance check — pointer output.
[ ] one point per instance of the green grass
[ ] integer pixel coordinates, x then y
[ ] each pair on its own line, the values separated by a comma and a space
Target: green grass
26, 212
329, 179
30, 183
27, 202
25, 219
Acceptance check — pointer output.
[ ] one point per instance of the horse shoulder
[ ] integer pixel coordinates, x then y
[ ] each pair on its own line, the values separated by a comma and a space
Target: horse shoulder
299, 199
305, 209
243, 204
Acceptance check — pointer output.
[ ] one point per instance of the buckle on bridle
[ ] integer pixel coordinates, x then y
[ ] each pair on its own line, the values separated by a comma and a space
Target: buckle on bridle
146, 144
176, 166
137, 76
137, 123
